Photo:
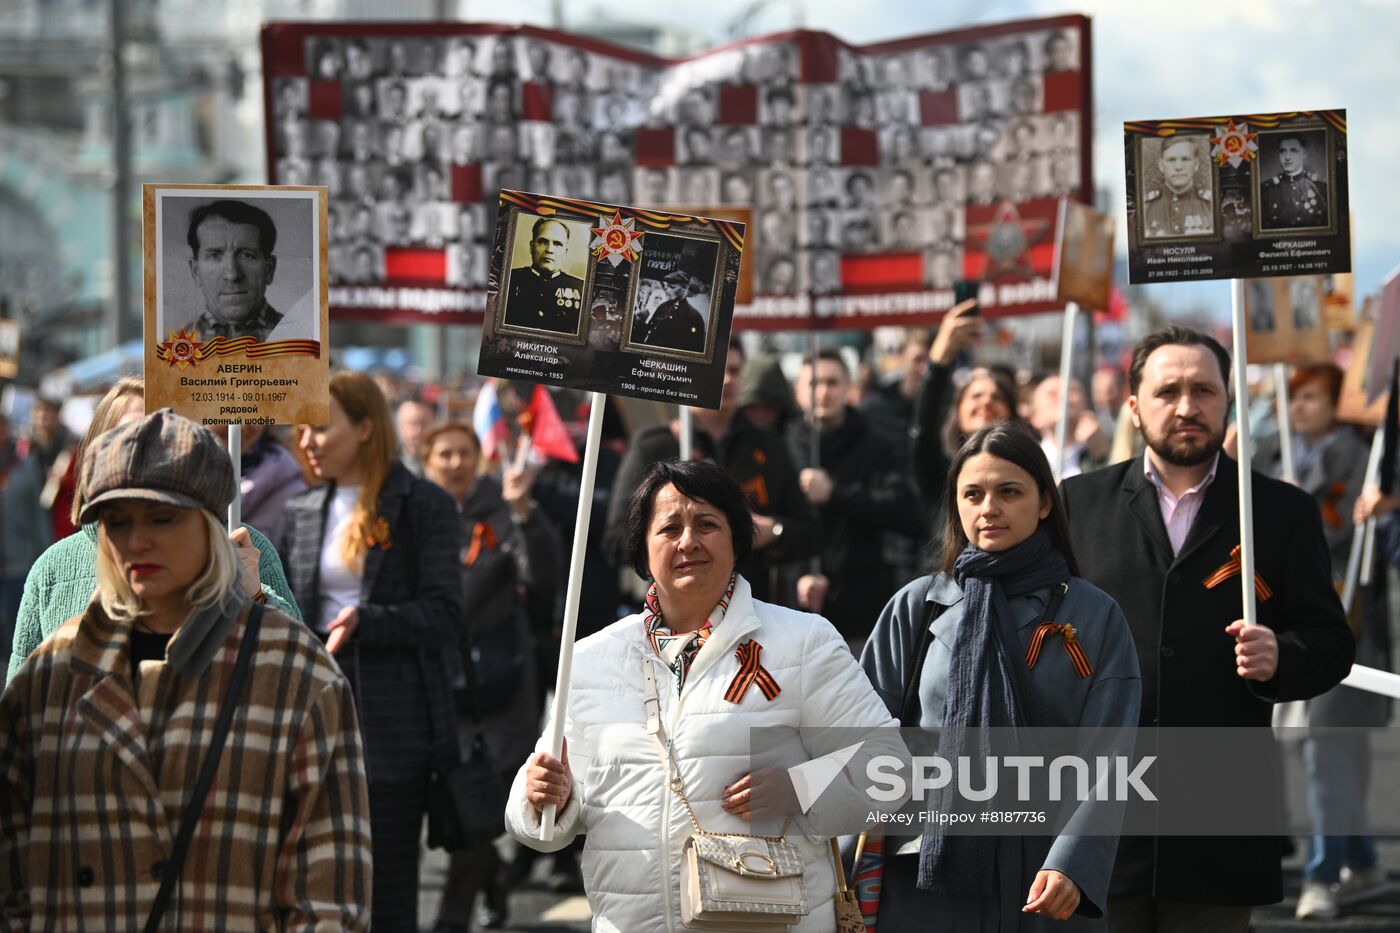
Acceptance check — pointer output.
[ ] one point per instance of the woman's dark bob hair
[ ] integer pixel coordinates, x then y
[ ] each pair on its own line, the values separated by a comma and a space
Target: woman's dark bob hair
694, 479
1013, 442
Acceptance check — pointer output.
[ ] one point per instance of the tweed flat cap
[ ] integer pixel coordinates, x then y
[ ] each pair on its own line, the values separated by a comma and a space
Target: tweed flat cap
164, 457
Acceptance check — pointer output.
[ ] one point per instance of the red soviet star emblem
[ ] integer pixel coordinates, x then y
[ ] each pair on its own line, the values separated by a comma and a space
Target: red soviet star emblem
615, 240
180, 349
1006, 239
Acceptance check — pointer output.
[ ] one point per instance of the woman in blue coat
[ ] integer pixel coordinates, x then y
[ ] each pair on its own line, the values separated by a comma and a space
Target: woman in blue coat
1006, 558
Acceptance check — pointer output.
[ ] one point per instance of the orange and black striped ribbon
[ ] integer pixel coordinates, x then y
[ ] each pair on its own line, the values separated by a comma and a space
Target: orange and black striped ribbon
254, 349
1232, 568
751, 672
1082, 667
1330, 513
483, 536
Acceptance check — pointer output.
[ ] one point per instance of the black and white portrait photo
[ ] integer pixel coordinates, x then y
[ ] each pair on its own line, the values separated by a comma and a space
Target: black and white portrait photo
245, 266
1259, 305
548, 271
674, 295
1293, 192
1305, 297
1177, 197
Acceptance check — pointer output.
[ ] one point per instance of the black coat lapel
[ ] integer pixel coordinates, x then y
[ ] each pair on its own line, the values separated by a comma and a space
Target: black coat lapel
1142, 502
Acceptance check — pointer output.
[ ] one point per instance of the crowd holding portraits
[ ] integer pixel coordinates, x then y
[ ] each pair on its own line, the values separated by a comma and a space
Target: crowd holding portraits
889, 146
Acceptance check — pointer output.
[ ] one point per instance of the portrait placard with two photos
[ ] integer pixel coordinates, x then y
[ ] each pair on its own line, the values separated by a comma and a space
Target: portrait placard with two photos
1248, 196
608, 298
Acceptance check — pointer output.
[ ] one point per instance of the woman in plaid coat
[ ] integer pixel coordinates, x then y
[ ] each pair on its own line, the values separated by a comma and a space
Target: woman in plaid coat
105, 729
373, 560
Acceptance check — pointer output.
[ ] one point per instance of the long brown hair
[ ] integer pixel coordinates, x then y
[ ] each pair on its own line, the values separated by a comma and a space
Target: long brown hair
953, 435
1013, 442
104, 418
359, 397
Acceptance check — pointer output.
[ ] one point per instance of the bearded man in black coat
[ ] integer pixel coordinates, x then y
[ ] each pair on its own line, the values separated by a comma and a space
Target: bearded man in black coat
1160, 534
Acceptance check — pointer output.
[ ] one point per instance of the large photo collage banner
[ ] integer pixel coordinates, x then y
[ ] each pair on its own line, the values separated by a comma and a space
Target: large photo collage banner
874, 177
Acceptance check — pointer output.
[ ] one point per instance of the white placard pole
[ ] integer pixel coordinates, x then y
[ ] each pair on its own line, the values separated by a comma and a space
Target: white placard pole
571, 596
1368, 549
814, 439
1285, 430
1358, 532
522, 452
1066, 368
235, 452
1242, 428
687, 437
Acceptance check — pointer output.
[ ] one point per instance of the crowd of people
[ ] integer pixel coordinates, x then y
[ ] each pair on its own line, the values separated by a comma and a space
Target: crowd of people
839, 551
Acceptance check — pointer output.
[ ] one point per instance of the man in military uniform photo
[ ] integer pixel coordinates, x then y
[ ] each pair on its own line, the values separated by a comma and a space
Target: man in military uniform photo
543, 296
1183, 208
675, 324
1294, 198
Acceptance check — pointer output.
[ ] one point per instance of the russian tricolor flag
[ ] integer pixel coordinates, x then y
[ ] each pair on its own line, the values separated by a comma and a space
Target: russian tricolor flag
489, 422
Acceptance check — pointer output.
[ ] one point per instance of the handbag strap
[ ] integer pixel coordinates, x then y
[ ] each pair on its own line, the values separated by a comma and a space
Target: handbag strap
674, 781
842, 889
195, 805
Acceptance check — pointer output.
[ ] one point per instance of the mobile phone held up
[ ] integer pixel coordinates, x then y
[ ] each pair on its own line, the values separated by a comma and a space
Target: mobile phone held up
965, 290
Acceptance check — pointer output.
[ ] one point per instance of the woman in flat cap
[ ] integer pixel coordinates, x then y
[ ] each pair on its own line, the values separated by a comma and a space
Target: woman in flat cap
178, 756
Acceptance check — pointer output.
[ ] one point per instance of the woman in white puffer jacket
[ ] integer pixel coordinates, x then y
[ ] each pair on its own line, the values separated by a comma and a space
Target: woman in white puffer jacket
688, 529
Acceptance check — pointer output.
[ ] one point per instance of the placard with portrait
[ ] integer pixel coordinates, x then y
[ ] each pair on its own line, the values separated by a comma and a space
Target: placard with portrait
1244, 196
609, 298
1084, 256
1284, 320
236, 323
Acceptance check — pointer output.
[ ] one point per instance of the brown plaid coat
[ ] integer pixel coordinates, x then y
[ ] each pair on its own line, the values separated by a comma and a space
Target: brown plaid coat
94, 775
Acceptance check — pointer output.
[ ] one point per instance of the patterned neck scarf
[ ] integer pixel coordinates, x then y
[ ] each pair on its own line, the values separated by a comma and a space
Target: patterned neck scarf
679, 651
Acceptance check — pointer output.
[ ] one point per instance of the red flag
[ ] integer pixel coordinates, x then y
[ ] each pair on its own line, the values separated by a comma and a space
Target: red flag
547, 432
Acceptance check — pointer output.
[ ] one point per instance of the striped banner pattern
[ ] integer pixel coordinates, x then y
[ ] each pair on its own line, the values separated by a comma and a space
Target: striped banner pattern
1332, 118
655, 220
255, 350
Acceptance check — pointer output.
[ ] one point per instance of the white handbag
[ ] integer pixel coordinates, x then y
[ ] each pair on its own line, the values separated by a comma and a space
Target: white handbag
730, 881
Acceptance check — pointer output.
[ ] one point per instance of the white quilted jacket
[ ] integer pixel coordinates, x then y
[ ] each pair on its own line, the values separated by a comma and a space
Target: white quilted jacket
635, 829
